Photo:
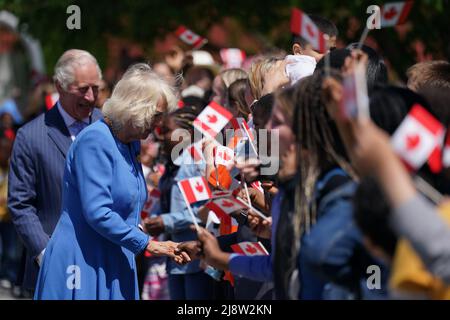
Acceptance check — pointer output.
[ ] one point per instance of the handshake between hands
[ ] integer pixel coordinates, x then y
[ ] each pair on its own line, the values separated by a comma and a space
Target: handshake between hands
184, 252
206, 248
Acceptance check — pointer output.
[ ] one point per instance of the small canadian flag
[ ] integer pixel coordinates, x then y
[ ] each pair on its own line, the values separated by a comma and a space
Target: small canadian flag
195, 189
195, 153
232, 57
257, 185
191, 154
224, 206
51, 99
417, 137
250, 248
212, 119
242, 128
395, 13
152, 200
189, 37
223, 156
303, 26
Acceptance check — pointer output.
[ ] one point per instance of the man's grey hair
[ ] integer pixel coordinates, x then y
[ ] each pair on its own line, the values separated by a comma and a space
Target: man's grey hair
65, 67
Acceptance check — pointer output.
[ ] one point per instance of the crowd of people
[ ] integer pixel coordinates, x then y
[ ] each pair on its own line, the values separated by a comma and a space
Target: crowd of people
93, 185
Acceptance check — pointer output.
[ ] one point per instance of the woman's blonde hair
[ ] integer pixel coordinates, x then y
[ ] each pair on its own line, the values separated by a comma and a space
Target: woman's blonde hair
135, 97
257, 73
231, 75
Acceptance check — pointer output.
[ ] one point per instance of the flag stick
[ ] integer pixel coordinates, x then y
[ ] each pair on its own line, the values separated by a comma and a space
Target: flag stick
251, 142
425, 188
363, 38
246, 191
190, 211
262, 247
248, 195
216, 169
259, 213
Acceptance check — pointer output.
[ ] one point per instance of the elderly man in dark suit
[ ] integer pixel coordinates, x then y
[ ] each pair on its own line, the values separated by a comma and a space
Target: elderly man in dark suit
39, 153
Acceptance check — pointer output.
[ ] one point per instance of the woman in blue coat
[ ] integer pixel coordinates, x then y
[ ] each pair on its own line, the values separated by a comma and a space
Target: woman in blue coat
91, 252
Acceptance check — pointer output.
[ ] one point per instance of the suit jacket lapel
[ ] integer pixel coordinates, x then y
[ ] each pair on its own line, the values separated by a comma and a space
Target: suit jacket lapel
57, 130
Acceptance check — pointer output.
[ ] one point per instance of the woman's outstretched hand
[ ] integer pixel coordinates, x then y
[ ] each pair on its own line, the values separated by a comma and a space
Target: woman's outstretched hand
168, 248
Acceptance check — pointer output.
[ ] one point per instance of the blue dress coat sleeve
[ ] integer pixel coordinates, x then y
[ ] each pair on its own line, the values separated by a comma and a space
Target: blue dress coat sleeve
257, 268
95, 178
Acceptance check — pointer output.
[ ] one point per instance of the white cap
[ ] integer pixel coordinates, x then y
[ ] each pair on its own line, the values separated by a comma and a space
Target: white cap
8, 19
299, 67
193, 90
202, 58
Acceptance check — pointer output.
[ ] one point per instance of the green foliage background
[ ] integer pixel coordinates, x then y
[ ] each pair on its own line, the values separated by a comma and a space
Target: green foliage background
143, 21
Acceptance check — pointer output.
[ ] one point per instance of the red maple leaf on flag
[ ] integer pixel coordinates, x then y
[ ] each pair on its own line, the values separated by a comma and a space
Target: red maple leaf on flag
224, 156
310, 30
199, 187
388, 15
412, 141
212, 118
250, 249
227, 204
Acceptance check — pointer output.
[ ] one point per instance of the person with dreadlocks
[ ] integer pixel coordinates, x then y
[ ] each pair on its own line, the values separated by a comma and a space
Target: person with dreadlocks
188, 282
331, 256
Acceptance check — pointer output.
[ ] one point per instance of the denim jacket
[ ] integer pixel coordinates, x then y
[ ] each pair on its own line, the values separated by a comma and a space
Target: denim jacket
333, 250
177, 222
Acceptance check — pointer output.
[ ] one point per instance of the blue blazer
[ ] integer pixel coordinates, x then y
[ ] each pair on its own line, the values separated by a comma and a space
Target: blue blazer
35, 183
